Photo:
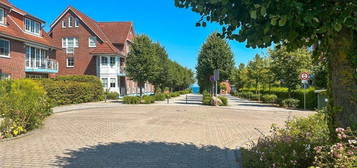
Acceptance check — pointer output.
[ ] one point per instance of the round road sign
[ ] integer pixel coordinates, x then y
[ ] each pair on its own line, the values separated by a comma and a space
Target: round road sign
304, 76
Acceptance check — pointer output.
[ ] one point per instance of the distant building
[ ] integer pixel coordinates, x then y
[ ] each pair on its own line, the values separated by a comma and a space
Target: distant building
225, 87
95, 48
26, 50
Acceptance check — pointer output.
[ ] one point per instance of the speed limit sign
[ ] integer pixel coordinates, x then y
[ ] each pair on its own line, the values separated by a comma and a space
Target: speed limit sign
304, 76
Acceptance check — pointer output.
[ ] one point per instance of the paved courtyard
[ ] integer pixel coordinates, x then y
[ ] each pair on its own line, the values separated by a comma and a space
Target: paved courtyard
142, 136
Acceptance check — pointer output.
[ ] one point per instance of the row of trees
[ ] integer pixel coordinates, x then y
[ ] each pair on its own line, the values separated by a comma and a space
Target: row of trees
148, 62
280, 68
328, 26
215, 54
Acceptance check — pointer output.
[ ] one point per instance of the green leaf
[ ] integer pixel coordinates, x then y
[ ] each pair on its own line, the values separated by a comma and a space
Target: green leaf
263, 11
282, 21
338, 27
273, 21
253, 14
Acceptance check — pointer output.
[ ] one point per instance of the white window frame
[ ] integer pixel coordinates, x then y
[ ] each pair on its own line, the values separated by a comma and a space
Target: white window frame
63, 23
2, 16
101, 62
6, 56
91, 40
105, 84
69, 66
110, 82
76, 22
70, 21
65, 41
110, 61
32, 26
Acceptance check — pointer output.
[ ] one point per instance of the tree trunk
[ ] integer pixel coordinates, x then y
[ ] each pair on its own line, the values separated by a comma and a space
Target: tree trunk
342, 83
141, 88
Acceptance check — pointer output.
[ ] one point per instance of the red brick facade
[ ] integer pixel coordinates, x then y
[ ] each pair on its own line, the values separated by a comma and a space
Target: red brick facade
84, 62
12, 30
15, 65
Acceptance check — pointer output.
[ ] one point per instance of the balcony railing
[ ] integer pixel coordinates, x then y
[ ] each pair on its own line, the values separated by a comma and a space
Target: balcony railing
44, 65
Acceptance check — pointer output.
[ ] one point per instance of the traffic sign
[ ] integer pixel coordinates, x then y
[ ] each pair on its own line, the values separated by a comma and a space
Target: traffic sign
216, 75
304, 76
211, 78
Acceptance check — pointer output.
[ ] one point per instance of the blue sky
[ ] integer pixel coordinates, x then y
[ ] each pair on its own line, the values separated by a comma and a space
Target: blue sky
173, 27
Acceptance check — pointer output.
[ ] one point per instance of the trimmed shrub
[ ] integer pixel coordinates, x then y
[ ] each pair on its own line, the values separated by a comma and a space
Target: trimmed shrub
148, 100
160, 97
288, 147
174, 94
207, 98
292, 103
24, 105
247, 95
224, 100
282, 94
73, 89
112, 95
131, 100
270, 98
255, 97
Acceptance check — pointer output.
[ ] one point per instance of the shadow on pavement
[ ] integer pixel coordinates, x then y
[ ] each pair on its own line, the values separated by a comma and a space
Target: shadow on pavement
146, 155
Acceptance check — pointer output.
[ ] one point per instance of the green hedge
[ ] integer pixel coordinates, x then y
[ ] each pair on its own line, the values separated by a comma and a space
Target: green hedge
282, 94
73, 89
112, 95
23, 105
131, 100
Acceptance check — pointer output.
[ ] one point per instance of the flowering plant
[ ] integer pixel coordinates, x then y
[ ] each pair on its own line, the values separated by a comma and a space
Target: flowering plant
342, 154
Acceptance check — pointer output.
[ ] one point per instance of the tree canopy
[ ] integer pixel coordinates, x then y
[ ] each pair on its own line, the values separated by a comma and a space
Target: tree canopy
215, 54
330, 26
148, 62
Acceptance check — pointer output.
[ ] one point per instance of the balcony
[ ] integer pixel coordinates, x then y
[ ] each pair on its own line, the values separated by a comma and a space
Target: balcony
41, 66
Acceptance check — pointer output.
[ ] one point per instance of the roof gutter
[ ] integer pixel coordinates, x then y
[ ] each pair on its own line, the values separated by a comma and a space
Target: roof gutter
28, 41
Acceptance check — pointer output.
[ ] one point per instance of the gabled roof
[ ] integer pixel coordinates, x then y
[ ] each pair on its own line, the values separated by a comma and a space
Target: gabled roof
12, 30
116, 31
108, 32
19, 11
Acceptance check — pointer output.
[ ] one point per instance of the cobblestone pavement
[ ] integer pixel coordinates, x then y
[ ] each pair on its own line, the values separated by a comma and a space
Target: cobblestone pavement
142, 136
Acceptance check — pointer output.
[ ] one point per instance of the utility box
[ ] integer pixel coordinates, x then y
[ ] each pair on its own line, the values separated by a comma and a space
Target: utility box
322, 98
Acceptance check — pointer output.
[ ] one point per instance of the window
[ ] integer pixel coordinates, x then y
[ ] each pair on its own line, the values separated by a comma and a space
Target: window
92, 41
70, 43
112, 82
105, 82
63, 23
104, 61
32, 26
112, 61
4, 48
76, 22
70, 21
70, 62
4, 76
2, 16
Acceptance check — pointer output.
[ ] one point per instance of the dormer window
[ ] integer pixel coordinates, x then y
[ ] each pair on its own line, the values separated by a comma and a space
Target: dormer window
92, 41
63, 23
76, 22
2, 16
70, 21
32, 27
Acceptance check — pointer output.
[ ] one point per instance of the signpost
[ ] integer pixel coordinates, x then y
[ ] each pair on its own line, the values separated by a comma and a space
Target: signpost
304, 80
216, 78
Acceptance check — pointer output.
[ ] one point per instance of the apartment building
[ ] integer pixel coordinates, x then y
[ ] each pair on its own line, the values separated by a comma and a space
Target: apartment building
94, 48
26, 50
